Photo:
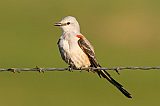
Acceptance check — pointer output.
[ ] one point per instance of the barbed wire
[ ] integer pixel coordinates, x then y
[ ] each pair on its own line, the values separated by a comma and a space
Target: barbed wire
88, 69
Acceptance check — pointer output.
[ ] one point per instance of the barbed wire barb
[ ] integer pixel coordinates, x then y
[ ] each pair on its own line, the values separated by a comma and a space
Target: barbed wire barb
117, 69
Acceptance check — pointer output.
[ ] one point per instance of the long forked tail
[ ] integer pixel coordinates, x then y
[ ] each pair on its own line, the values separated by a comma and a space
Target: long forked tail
107, 76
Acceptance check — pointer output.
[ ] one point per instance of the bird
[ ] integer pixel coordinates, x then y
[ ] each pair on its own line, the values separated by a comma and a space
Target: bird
78, 52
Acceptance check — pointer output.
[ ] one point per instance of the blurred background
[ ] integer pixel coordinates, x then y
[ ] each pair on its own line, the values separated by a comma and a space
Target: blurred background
123, 32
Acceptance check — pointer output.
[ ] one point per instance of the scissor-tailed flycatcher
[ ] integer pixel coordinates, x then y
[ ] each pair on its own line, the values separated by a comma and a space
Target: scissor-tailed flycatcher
77, 51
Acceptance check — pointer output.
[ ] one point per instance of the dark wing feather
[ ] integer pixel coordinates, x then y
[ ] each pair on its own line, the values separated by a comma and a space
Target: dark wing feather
88, 49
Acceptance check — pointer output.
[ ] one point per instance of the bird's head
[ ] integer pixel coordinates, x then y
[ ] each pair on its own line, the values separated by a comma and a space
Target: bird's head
68, 23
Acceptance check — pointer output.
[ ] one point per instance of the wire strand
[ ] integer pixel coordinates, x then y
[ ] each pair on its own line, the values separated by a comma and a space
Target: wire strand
88, 69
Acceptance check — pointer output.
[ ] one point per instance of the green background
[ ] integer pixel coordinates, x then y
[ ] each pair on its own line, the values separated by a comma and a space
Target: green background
123, 33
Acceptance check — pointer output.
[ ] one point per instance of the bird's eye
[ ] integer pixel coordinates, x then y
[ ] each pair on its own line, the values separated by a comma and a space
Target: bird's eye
68, 23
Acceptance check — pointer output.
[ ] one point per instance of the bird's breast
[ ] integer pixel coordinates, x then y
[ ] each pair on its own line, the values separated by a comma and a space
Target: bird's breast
73, 54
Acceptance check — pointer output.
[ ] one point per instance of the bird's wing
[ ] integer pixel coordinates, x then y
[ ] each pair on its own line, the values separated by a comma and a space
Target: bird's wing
88, 50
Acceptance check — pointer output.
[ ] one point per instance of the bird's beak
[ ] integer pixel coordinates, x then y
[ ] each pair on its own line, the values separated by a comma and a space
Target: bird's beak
58, 24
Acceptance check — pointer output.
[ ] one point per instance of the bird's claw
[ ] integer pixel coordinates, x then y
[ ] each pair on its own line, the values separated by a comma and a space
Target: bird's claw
90, 69
70, 69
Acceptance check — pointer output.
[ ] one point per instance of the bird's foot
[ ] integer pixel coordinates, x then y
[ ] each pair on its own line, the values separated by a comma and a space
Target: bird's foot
90, 69
70, 69
83, 68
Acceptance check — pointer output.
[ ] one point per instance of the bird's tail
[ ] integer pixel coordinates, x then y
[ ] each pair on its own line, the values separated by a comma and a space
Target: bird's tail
107, 76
